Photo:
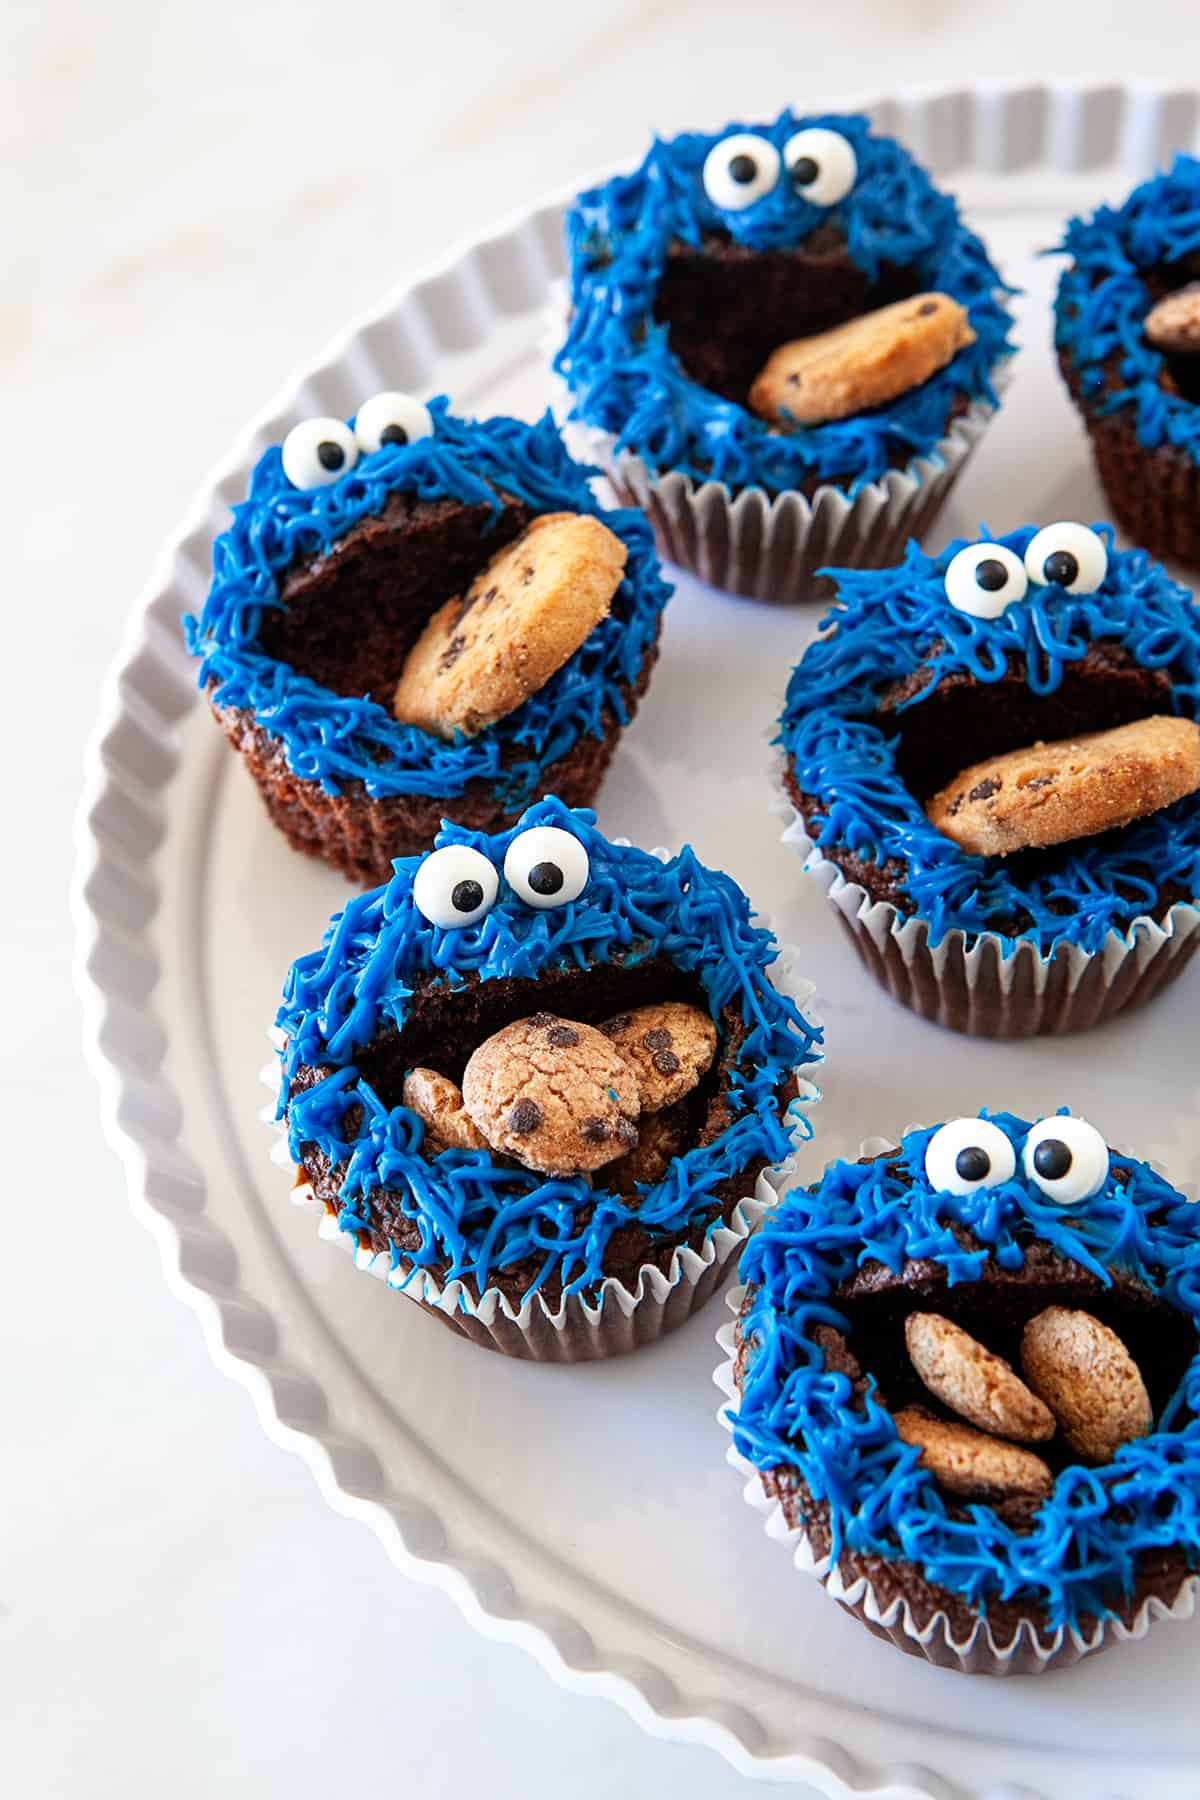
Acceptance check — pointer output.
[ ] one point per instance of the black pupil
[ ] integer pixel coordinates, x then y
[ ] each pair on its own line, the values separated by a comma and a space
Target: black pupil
1061, 567
743, 168
467, 896
991, 574
330, 455
546, 878
973, 1163
805, 171
1052, 1159
393, 434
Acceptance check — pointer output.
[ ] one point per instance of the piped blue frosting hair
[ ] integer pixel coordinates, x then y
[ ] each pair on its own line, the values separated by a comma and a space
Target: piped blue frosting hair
625, 379
1103, 300
333, 738
1079, 1554
475, 1218
886, 625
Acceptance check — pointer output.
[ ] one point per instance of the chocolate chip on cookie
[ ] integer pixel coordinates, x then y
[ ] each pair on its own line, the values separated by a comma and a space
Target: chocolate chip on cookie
438, 1102
484, 653
1054, 793
668, 1047
554, 1094
864, 363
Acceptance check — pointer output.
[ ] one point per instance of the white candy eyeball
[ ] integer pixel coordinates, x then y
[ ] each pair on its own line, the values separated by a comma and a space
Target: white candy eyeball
1067, 1159
821, 165
391, 419
740, 170
966, 1154
985, 578
318, 451
455, 886
546, 866
1067, 556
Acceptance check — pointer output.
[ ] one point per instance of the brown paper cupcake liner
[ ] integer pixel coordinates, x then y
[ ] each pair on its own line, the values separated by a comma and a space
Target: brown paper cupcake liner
973, 1648
976, 987
360, 836
618, 1319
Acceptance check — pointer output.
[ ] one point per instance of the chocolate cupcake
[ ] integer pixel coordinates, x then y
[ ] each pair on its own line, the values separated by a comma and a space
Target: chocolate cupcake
1127, 327
966, 1388
782, 343
991, 758
416, 616
538, 1083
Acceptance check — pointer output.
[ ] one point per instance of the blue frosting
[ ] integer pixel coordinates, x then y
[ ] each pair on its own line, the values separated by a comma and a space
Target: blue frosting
334, 739
1103, 301
886, 624
617, 360
1082, 1549
475, 1217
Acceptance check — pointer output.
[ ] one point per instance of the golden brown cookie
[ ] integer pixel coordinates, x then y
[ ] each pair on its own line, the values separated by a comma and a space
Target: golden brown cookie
968, 1462
668, 1047
660, 1139
1174, 324
1088, 1379
483, 654
864, 363
1053, 793
553, 1094
981, 1387
438, 1102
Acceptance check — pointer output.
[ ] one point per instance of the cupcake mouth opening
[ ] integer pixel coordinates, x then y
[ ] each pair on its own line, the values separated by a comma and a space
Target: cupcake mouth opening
965, 721
1181, 369
348, 619
995, 1310
727, 308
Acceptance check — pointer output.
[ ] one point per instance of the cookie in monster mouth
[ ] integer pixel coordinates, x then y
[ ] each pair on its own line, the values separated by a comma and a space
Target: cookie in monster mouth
415, 614
539, 1060
690, 278
968, 1370
1001, 741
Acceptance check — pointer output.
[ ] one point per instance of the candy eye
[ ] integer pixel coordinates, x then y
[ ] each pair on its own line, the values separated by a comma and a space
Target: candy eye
985, 578
546, 866
318, 451
455, 886
1067, 556
821, 165
740, 170
1067, 1159
391, 419
967, 1154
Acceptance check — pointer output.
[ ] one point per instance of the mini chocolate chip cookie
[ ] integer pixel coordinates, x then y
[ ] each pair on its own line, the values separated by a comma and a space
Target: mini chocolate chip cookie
485, 652
1053, 793
1174, 324
668, 1048
554, 1094
865, 363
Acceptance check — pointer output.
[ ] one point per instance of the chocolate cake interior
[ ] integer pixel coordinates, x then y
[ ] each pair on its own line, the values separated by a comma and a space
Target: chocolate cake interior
728, 307
349, 617
446, 1024
995, 1309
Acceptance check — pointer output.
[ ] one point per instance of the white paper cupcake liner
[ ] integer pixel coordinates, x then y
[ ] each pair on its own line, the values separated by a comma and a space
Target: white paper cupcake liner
978, 1651
617, 1319
980, 989
772, 547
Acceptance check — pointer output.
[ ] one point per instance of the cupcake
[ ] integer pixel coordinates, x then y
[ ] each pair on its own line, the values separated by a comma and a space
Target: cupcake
539, 1083
782, 343
966, 1390
1127, 327
991, 760
416, 616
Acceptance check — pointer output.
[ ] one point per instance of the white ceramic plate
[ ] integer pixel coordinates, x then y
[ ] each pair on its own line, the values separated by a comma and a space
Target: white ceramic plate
587, 1513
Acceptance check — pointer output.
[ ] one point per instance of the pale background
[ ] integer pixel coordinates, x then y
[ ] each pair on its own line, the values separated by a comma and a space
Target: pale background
194, 196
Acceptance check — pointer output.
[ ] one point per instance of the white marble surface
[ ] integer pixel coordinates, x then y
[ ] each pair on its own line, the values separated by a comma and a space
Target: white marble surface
193, 196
